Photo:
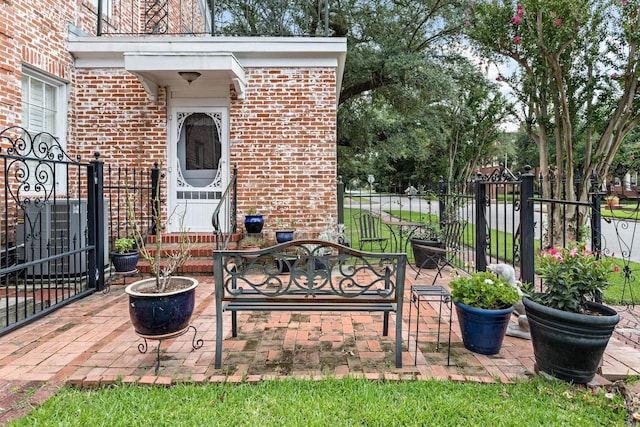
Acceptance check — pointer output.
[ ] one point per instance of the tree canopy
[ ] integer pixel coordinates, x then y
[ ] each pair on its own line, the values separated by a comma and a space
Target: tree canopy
577, 71
415, 104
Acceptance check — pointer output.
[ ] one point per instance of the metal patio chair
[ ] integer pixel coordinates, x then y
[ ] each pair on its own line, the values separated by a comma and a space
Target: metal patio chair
445, 254
369, 231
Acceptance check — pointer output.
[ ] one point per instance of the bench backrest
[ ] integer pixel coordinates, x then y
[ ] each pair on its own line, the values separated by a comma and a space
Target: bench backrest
309, 270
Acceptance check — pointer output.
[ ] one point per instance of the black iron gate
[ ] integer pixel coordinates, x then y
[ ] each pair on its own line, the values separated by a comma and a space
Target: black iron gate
53, 248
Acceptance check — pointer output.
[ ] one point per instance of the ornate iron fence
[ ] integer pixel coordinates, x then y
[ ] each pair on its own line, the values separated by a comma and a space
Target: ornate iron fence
208, 18
506, 220
52, 220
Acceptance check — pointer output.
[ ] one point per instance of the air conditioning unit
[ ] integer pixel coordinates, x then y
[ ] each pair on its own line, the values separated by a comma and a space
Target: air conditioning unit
53, 229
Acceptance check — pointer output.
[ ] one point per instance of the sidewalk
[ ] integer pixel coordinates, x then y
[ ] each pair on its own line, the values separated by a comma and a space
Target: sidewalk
91, 342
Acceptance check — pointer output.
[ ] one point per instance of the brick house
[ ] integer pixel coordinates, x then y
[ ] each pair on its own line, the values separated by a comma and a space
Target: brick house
196, 103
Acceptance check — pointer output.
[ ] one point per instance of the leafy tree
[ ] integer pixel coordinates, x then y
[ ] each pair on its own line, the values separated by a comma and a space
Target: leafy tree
473, 111
404, 88
577, 73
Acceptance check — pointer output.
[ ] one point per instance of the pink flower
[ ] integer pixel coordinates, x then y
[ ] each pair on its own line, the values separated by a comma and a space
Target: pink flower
624, 1
467, 11
519, 6
499, 79
573, 252
520, 12
616, 268
517, 39
614, 75
466, 24
515, 20
553, 251
557, 22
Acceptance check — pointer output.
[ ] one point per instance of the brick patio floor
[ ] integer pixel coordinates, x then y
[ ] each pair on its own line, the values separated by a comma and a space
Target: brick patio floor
91, 342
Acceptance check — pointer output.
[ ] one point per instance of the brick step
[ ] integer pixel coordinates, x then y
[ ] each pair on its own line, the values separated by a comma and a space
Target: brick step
193, 237
199, 250
194, 266
201, 261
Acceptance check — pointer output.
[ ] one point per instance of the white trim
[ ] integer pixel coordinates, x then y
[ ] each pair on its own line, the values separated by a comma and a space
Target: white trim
222, 59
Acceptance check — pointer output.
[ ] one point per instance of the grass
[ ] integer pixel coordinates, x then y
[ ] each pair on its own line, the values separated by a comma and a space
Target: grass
621, 214
333, 402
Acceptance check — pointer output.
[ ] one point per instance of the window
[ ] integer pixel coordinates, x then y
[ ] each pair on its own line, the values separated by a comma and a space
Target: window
106, 7
42, 104
43, 110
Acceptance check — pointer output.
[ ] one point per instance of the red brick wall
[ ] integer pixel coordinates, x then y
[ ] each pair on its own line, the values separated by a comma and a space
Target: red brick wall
283, 139
282, 134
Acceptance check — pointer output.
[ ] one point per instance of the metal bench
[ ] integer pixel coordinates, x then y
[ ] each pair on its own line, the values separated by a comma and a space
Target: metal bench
308, 275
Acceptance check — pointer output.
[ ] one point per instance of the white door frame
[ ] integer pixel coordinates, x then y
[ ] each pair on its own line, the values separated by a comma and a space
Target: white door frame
196, 202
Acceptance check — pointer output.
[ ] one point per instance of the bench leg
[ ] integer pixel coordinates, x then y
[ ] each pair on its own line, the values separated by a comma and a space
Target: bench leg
385, 324
218, 357
234, 324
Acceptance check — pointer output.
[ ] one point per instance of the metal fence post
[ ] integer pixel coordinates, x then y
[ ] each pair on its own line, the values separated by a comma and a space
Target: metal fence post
234, 203
95, 226
596, 224
527, 227
155, 197
481, 227
442, 205
340, 195
596, 219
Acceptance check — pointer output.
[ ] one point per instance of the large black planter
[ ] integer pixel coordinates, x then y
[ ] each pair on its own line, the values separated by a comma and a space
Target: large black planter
161, 314
423, 255
482, 330
124, 263
568, 345
253, 223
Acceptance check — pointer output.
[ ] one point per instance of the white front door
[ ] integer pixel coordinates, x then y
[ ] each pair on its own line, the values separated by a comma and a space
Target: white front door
198, 166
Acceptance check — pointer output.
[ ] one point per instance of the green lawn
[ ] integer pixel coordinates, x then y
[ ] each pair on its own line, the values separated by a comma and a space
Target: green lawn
332, 402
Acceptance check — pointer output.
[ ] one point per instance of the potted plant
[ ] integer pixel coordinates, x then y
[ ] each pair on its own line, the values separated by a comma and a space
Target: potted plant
484, 304
161, 306
426, 237
125, 255
250, 243
613, 202
253, 222
569, 331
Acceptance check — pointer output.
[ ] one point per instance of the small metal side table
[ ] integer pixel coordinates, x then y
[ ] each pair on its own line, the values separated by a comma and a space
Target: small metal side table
426, 293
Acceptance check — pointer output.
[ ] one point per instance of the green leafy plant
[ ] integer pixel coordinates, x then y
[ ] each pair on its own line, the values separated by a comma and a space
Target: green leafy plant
251, 241
571, 276
484, 290
429, 231
124, 245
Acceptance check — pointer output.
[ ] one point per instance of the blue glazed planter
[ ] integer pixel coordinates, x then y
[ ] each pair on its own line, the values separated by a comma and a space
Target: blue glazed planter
482, 330
253, 223
284, 236
124, 263
163, 314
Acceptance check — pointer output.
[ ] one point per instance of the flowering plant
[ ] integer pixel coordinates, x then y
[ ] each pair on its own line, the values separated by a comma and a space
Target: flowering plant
484, 290
571, 276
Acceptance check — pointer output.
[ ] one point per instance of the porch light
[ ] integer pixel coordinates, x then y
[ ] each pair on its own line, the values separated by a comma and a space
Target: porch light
189, 76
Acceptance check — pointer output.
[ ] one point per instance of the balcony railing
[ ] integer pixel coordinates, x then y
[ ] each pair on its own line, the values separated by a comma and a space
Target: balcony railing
204, 18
